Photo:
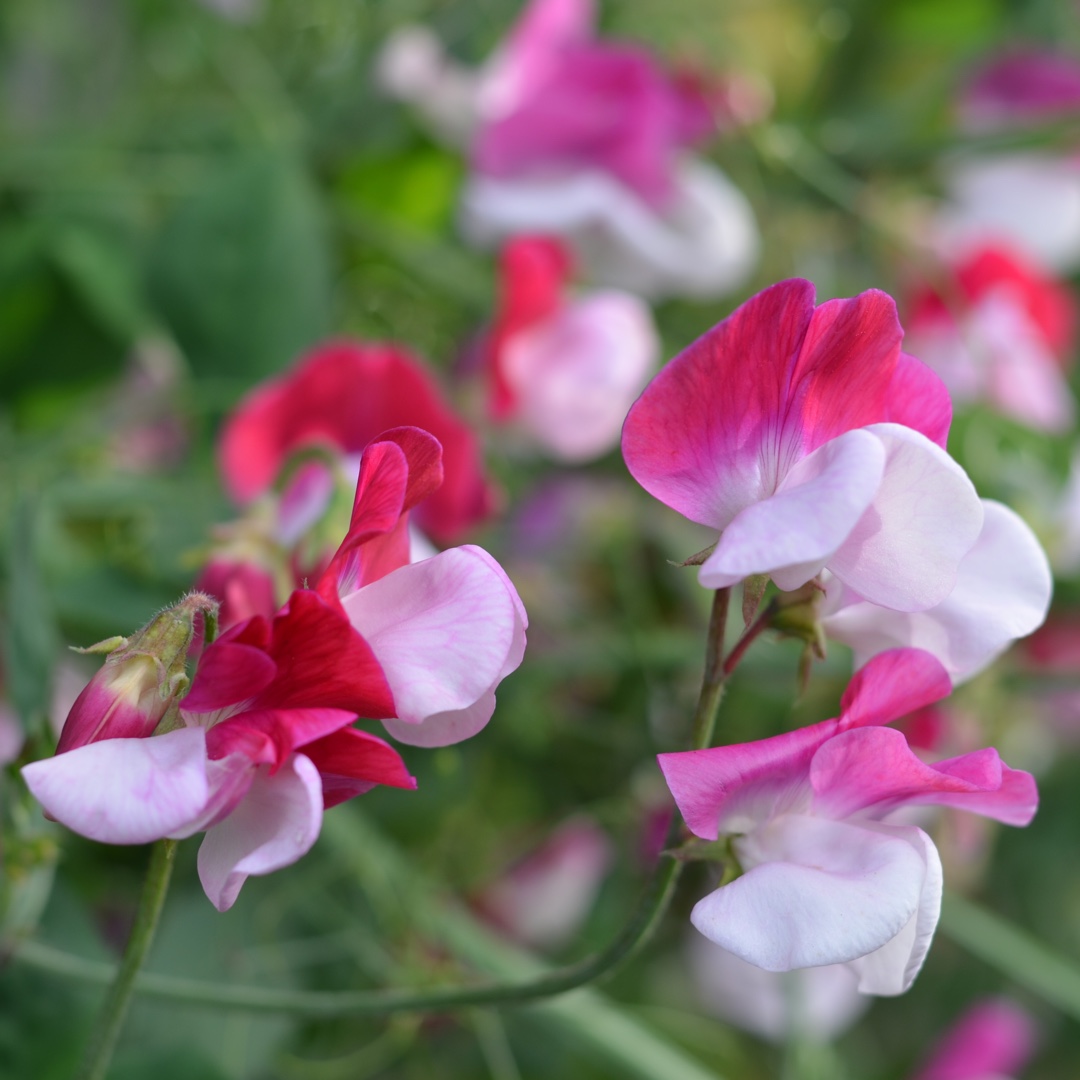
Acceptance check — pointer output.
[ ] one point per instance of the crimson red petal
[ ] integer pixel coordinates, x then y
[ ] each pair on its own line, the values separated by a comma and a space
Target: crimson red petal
351, 762
918, 399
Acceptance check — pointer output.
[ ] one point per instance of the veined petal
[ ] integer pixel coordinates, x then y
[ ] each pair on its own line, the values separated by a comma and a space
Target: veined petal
891, 685
701, 438
793, 534
892, 968
445, 630
918, 399
818, 892
445, 728
228, 673
125, 791
275, 824
1002, 593
905, 551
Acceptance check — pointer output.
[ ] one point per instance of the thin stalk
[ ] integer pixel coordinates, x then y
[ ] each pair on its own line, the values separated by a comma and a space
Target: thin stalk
99, 1052
634, 936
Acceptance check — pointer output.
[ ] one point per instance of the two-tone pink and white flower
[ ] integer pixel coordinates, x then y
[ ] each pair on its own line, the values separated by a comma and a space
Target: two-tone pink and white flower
446, 630
810, 442
587, 139
262, 744
828, 875
1000, 331
566, 368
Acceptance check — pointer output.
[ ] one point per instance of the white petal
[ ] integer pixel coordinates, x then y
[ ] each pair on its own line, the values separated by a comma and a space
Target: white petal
905, 551
275, 824
793, 534
817, 892
125, 791
1002, 593
445, 630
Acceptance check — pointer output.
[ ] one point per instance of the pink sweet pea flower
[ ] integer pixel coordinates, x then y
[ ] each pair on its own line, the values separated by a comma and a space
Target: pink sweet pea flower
1003, 335
567, 368
993, 1040
827, 877
340, 396
783, 428
262, 743
446, 630
1002, 593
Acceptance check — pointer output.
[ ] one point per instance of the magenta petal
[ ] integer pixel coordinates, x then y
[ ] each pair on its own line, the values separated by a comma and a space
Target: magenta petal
228, 673
1013, 803
994, 1038
125, 791
727, 788
696, 438
275, 824
891, 685
793, 534
845, 367
918, 399
286, 729
905, 551
818, 892
351, 762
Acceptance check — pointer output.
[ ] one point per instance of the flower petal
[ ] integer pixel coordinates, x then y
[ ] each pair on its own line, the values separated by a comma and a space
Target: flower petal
696, 437
925, 518
891, 685
445, 630
276, 823
125, 791
352, 762
819, 892
228, 673
1002, 593
918, 399
793, 534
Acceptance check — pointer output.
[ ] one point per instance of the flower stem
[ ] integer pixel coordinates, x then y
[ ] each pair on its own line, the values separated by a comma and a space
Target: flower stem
634, 936
114, 1011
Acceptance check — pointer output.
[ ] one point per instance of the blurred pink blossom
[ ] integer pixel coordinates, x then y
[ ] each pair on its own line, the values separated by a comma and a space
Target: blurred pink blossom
993, 1040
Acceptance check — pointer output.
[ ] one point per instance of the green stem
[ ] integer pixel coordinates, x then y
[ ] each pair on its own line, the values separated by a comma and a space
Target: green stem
114, 1011
635, 935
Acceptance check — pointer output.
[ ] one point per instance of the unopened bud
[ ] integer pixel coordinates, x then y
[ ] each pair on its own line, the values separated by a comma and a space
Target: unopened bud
797, 615
142, 677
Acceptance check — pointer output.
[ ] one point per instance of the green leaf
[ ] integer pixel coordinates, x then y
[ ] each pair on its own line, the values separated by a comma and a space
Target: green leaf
241, 272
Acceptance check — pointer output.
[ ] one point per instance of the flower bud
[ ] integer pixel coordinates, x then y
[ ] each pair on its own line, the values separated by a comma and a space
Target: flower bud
141, 678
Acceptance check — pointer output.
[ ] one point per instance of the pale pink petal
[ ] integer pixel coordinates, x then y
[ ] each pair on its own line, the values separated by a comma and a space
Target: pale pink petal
892, 968
275, 824
445, 632
793, 534
905, 551
125, 791
445, 728
576, 374
1002, 593
816, 892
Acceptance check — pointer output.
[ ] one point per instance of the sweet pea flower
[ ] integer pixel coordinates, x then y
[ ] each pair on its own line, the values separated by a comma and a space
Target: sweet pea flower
827, 876
341, 396
1003, 332
446, 630
261, 744
810, 442
1027, 199
1002, 593
587, 139
993, 1040
566, 368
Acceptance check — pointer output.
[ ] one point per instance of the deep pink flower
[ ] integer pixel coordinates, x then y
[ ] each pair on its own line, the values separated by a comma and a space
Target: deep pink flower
827, 877
341, 396
568, 368
1002, 333
993, 1040
1021, 86
810, 441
